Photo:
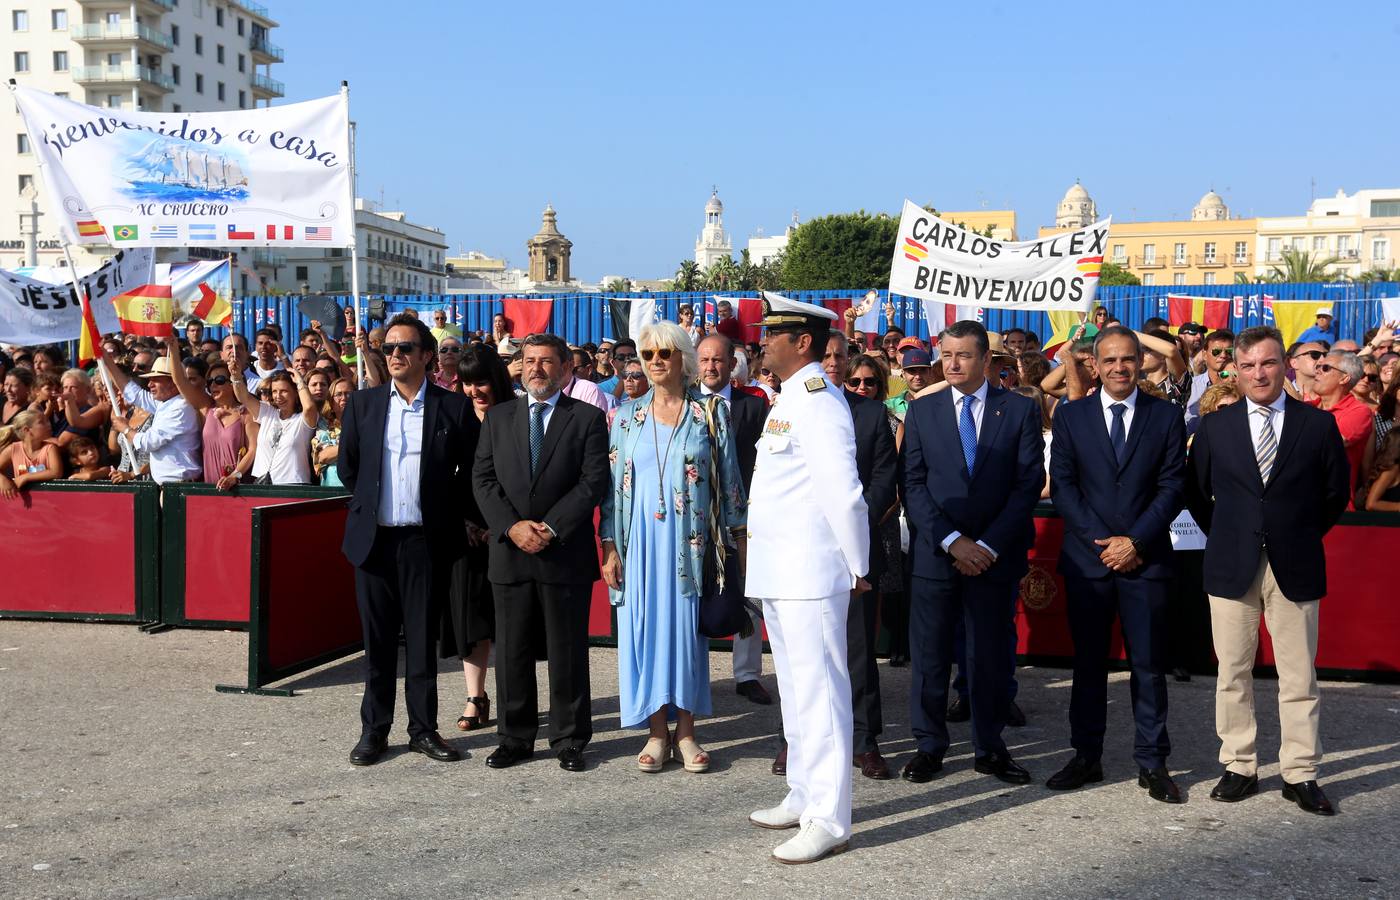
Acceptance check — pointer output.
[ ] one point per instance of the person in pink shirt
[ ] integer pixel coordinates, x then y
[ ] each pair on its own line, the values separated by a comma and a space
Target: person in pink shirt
582, 389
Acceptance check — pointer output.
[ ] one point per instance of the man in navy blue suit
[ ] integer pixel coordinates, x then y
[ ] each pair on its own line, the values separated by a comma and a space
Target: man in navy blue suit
1117, 476
974, 467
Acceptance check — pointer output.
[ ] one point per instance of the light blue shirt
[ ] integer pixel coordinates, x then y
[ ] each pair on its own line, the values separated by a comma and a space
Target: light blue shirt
173, 440
959, 400
399, 481
549, 408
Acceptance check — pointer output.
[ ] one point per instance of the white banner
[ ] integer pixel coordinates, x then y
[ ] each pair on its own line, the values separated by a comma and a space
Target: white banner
272, 177
39, 312
1186, 534
937, 260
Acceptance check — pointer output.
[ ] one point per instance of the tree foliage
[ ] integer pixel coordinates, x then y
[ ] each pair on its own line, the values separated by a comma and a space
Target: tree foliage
847, 250
1112, 275
687, 276
1300, 266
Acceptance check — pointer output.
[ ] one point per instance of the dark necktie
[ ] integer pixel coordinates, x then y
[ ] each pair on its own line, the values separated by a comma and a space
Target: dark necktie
536, 435
1118, 434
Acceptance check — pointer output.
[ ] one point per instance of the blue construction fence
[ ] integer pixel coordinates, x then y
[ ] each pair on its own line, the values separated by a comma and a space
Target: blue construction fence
583, 317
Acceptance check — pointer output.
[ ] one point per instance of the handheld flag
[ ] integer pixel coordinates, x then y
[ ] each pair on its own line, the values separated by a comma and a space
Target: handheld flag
88, 338
147, 310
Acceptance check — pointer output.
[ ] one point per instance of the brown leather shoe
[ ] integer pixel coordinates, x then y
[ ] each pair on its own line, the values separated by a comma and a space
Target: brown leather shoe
872, 765
780, 762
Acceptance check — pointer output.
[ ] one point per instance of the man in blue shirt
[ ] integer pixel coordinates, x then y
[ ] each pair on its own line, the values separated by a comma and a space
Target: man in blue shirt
1323, 330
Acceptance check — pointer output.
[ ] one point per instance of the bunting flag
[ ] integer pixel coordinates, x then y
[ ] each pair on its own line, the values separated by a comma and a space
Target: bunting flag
89, 338
148, 310
630, 315
749, 312
201, 289
1062, 322
1211, 312
1290, 317
940, 315
525, 317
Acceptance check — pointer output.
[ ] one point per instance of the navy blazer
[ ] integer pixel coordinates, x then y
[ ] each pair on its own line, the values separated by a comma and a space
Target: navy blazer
1285, 519
878, 467
995, 504
450, 431
746, 416
1098, 497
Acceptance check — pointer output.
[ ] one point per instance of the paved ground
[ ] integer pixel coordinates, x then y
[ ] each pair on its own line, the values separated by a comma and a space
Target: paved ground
126, 775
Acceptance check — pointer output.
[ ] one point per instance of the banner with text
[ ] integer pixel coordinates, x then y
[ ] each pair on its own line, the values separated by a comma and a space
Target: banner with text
937, 260
39, 312
272, 177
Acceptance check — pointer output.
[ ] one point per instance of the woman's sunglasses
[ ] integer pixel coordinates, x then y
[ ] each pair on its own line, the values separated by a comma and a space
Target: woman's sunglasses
862, 382
219, 379
662, 353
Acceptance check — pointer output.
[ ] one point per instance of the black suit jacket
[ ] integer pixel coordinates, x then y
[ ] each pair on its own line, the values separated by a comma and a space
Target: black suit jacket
877, 464
450, 430
1098, 497
572, 479
1284, 519
995, 504
746, 416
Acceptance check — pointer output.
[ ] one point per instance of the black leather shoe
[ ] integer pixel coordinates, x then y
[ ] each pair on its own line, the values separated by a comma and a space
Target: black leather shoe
1159, 785
780, 761
755, 691
1014, 717
960, 710
571, 759
1309, 797
506, 755
368, 751
1002, 767
899, 660
872, 765
921, 768
1234, 787
1076, 773
1181, 674
433, 746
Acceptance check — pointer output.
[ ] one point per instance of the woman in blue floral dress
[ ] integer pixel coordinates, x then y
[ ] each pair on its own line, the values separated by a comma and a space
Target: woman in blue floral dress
674, 490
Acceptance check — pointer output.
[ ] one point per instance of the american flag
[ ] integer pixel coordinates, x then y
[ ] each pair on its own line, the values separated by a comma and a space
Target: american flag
318, 232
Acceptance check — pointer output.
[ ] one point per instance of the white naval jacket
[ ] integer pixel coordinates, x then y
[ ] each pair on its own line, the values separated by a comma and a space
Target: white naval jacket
809, 533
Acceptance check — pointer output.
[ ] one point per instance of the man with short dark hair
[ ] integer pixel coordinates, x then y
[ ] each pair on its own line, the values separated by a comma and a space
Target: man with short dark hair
1014, 340
624, 350
1267, 478
1303, 358
1219, 353
1191, 337
266, 350
727, 324
235, 355
303, 360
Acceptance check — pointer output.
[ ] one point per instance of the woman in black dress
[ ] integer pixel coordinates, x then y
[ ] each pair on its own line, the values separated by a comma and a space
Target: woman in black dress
469, 619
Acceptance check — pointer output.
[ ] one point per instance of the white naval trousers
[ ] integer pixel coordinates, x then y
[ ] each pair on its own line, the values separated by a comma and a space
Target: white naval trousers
808, 638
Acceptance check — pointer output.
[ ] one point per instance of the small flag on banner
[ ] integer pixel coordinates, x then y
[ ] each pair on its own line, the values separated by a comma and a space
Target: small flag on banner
203, 233
286, 232
91, 228
235, 235
165, 232
147, 310
318, 232
124, 232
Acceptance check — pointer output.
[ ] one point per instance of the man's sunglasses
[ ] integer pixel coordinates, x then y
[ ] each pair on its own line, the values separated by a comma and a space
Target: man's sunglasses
404, 347
662, 353
633, 376
1222, 351
446, 349
1314, 355
862, 382
1324, 368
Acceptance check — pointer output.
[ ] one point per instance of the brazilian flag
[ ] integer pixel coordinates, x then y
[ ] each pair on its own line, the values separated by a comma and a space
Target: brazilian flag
124, 232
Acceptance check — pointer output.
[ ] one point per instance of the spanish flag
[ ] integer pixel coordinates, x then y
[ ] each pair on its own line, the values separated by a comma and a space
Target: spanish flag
91, 228
89, 337
1212, 312
146, 310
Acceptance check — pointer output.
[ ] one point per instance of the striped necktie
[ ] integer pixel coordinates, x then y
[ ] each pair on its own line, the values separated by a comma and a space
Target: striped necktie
1267, 447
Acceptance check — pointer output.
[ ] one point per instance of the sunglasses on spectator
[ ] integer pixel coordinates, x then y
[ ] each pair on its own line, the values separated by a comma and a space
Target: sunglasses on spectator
619, 355
1222, 351
219, 379
766, 373
662, 353
862, 382
446, 349
1314, 355
404, 347
633, 376
1324, 368
1371, 377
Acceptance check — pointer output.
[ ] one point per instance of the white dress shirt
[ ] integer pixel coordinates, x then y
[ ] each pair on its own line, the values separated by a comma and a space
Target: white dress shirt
548, 412
959, 398
725, 393
1130, 403
1256, 421
399, 478
173, 440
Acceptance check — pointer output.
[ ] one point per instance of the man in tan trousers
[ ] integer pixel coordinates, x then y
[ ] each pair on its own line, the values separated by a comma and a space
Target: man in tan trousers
1267, 479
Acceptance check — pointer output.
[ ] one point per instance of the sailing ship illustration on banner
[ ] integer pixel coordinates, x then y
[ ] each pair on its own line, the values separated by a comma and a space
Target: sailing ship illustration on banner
171, 170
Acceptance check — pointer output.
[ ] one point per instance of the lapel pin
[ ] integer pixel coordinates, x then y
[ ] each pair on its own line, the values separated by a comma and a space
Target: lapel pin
997, 413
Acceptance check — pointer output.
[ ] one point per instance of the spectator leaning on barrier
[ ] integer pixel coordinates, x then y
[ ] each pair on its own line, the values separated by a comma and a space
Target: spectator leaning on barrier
1335, 376
28, 455
172, 439
85, 461
1382, 488
80, 415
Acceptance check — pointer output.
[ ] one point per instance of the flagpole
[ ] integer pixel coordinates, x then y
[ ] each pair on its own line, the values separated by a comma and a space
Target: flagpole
354, 244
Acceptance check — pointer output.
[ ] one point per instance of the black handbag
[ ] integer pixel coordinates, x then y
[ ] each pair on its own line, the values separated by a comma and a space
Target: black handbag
722, 608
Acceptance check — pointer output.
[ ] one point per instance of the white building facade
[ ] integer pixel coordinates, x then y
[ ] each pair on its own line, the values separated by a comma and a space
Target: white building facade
713, 242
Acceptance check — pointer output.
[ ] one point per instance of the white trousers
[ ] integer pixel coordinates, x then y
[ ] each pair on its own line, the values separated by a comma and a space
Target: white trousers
748, 653
808, 638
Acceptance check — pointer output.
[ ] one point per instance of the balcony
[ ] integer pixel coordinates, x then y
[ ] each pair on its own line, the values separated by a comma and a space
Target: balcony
267, 87
1240, 259
1148, 262
1181, 262
269, 259
253, 9
101, 33
1121, 261
264, 51
1209, 261
126, 73
1346, 254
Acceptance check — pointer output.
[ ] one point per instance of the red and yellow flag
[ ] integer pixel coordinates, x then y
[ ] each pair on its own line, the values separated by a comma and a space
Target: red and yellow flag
89, 338
146, 310
1212, 312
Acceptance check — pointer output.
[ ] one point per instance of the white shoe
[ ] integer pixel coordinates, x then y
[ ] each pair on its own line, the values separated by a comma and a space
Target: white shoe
776, 818
810, 844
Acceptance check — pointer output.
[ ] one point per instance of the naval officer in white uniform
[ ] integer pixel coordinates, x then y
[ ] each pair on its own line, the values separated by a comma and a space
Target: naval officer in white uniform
808, 551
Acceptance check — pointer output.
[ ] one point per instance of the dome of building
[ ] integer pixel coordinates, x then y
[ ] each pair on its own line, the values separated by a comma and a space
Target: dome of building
1076, 192
714, 206
1077, 209
1211, 208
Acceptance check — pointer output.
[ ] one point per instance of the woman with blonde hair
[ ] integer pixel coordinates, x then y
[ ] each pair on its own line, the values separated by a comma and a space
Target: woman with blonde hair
29, 456
676, 491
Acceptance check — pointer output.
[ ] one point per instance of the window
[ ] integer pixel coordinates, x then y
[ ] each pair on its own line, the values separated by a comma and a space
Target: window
1298, 243
175, 107
114, 101
1275, 251
1241, 252
1210, 251
1149, 277
1179, 254
114, 20
114, 60
175, 74
1209, 278
219, 90
219, 16
175, 35
199, 45
198, 83
19, 20
23, 143
59, 19
1149, 254
25, 181
1319, 244
60, 60
1380, 249
219, 53
1179, 279
21, 61
242, 99
301, 273
242, 63
240, 26
1385, 208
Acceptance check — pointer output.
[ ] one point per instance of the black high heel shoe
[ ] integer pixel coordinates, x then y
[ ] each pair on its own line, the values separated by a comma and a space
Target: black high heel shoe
483, 708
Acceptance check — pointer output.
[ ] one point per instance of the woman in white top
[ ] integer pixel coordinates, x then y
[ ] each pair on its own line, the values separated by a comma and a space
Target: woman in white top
286, 426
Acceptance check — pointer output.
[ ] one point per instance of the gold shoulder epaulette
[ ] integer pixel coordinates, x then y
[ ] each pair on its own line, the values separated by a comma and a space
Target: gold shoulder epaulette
815, 384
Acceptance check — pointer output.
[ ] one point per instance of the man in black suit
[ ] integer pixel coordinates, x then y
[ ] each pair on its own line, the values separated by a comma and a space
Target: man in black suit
973, 469
1268, 477
747, 413
1117, 476
541, 470
405, 456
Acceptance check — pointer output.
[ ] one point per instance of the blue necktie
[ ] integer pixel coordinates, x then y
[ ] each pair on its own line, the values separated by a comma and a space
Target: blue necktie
967, 430
1118, 434
536, 435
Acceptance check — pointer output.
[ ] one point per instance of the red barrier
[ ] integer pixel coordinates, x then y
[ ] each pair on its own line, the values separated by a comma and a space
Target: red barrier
78, 550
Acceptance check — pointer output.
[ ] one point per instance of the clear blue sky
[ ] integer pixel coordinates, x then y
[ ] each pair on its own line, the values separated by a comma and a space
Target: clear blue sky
472, 116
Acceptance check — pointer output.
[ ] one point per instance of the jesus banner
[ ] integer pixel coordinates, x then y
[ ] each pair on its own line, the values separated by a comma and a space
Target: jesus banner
277, 176
937, 260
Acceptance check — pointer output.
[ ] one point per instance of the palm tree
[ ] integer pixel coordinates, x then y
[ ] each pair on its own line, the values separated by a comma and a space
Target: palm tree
618, 286
722, 275
687, 276
747, 273
1301, 267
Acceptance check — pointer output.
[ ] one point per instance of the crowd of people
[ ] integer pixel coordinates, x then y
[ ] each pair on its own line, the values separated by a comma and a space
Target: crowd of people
851, 476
